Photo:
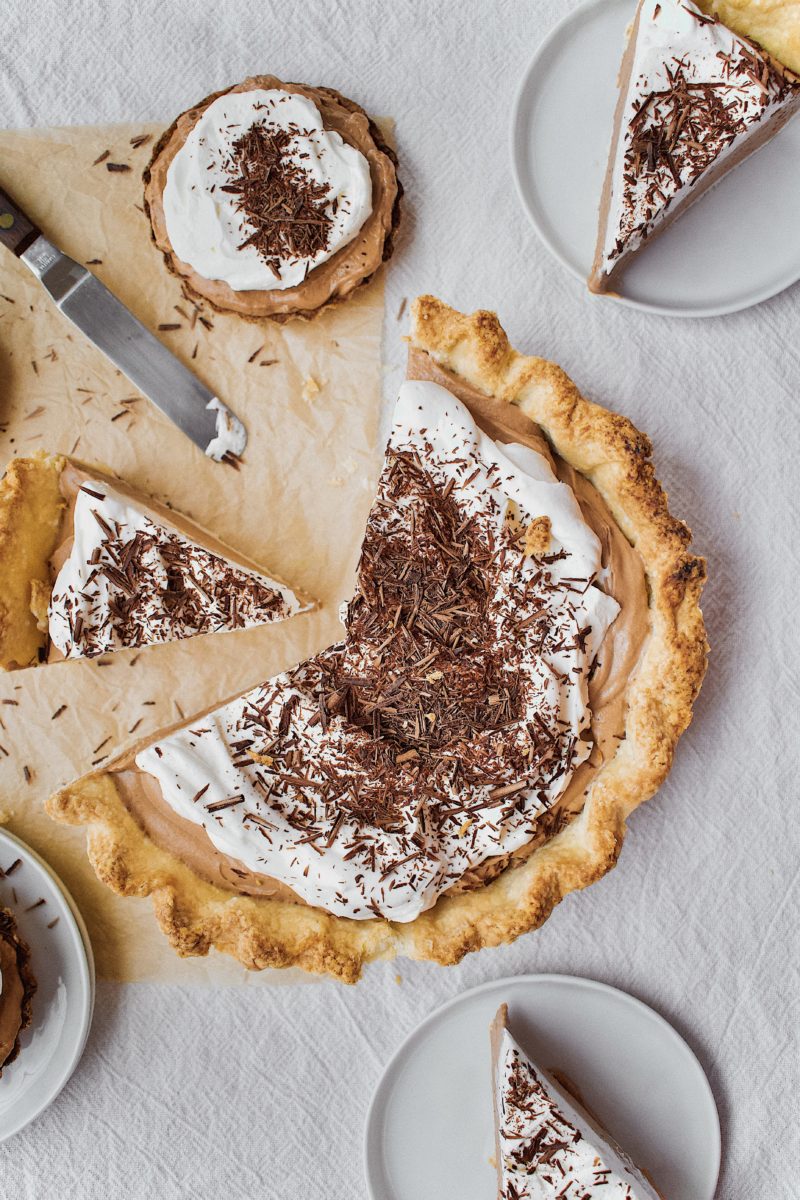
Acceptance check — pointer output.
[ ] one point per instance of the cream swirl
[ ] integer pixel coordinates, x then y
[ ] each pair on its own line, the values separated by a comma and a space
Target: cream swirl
206, 226
453, 713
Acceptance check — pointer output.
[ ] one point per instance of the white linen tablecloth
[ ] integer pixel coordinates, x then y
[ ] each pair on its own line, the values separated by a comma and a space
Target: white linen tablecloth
244, 1093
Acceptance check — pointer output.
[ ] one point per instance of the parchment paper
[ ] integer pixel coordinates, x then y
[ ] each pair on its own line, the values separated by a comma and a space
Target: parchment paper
309, 394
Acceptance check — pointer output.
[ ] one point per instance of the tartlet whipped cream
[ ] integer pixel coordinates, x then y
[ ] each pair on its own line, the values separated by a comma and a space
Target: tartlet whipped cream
454, 711
130, 580
206, 227
549, 1148
697, 95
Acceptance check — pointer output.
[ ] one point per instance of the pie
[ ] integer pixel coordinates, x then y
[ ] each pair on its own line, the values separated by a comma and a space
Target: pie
774, 24
273, 199
17, 987
88, 565
520, 655
547, 1145
695, 100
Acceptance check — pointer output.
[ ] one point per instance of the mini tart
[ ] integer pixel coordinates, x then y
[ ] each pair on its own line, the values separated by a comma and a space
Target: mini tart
328, 283
18, 988
474, 354
37, 513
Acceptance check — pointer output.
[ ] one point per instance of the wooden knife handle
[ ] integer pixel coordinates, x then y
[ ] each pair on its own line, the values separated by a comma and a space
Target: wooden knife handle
16, 231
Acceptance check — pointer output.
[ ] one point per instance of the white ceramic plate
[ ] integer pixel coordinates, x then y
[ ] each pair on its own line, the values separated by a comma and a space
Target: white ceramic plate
737, 246
62, 961
429, 1128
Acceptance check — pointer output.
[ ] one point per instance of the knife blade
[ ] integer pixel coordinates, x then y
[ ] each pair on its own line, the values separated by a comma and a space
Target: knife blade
124, 340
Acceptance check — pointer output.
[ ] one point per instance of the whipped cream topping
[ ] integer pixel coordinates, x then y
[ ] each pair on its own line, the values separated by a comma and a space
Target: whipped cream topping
454, 711
697, 94
548, 1146
205, 220
130, 580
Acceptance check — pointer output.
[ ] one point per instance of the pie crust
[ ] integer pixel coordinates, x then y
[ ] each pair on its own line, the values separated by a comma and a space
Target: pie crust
260, 932
330, 282
774, 24
32, 508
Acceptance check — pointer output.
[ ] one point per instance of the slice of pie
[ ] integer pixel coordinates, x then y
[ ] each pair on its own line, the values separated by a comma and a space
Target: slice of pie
695, 100
17, 988
89, 565
521, 653
547, 1146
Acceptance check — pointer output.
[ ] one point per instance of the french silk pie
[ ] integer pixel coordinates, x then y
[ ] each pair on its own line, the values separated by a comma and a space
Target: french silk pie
547, 1145
17, 988
695, 100
516, 664
273, 199
89, 564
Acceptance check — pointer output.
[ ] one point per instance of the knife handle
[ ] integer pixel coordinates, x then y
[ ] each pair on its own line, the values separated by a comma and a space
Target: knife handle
16, 231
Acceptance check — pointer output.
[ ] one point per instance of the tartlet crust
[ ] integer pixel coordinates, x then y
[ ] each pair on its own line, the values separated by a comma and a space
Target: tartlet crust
606, 447
8, 932
220, 296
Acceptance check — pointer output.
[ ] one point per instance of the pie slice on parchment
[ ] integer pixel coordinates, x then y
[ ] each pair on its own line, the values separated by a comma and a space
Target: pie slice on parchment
90, 565
519, 658
547, 1146
695, 100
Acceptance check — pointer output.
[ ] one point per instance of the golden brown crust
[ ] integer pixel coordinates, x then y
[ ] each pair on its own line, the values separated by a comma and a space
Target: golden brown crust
220, 296
260, 932
8, 932
30, 517
774, 24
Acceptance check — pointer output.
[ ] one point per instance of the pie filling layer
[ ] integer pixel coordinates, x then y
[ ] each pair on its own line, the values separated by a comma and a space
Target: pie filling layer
695, 100
14, 991
129, 576
548, 1146
479, 684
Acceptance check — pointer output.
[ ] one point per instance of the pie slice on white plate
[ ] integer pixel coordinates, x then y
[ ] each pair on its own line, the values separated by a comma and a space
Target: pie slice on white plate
90, 565
695, 100
547, 1146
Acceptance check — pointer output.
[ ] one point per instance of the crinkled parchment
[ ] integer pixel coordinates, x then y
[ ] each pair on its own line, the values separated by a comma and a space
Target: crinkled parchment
309, 394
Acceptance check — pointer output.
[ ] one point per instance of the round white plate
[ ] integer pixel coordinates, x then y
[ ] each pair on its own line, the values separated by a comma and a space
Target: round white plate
429, 1128
736, 247
62, 961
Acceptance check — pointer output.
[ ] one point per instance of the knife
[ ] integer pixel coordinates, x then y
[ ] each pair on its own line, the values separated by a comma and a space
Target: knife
104, 320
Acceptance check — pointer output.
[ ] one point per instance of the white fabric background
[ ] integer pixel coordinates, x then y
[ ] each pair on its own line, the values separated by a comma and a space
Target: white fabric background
262, 1093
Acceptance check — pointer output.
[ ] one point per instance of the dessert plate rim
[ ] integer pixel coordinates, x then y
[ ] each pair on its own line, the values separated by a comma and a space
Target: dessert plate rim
73, 935
549, 222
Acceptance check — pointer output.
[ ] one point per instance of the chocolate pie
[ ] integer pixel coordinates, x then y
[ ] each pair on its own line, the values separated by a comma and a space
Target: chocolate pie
695, 100
547, 1145
88, 565
17, 988
520, 655
273, 199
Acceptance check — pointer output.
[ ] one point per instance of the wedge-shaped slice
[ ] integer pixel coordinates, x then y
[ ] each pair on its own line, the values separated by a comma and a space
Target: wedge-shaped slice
547, 1145
695, 100
89, 565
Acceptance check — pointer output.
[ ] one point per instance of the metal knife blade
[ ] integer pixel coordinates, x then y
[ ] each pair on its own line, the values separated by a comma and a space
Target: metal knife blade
149, 365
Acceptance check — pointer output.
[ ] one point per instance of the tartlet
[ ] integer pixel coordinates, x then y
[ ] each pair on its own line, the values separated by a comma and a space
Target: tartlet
537, 732
261, 214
